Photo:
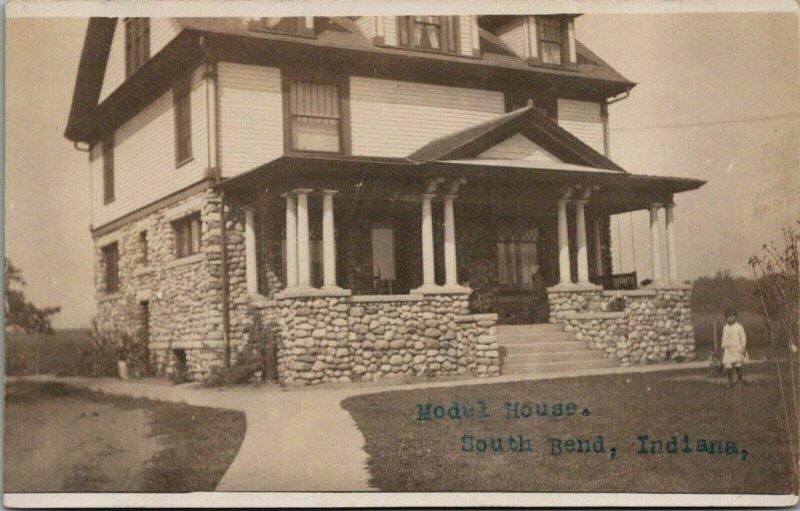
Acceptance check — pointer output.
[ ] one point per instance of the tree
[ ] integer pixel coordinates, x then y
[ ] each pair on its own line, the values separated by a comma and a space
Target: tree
19, 313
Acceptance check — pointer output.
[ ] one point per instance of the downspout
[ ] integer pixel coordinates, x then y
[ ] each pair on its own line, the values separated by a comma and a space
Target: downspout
212, 105
604, 115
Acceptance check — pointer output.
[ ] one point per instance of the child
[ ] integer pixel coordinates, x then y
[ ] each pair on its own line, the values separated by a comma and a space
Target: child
734, 343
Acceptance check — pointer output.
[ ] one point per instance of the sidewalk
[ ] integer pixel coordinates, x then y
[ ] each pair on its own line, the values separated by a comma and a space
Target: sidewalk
301, 439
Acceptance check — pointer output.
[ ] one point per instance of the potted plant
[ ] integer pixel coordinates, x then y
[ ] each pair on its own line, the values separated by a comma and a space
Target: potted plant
123, 351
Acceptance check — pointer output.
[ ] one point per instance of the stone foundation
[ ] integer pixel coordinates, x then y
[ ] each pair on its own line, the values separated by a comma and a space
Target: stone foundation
642, 326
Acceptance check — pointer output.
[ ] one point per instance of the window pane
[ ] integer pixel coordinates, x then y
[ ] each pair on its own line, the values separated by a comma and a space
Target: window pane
309, 134
403, 29
383, 261
195, 236
551, 53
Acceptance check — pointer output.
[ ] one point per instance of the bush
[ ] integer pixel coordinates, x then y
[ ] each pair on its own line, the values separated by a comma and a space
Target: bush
256, 362
110, 345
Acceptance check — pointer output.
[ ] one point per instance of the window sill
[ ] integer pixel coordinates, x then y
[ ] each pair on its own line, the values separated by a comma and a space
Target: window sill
107, 297
473, 55
533, 62
183, 261
183, 162
145, 270
106, 202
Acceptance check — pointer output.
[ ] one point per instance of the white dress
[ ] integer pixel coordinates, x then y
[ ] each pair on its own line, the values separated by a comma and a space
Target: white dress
734, 342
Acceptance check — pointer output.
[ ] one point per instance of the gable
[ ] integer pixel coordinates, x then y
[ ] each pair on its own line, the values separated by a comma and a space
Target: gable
518, 147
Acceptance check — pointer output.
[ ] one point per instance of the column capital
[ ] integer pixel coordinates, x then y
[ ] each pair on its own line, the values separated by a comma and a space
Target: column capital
450, 197
248, 207
427, 196
288, 195
329, 193
302, 191
580, 202
564, 202
655, 205
669, 205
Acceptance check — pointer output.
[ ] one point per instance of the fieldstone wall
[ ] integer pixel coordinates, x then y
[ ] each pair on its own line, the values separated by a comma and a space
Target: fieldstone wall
341, 338
638, 327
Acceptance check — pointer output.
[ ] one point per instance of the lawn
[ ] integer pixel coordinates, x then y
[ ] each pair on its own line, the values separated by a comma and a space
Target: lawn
63, 439
408, 454
44, 354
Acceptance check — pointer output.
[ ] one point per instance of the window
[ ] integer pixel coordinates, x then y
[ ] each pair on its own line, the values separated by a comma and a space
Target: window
137, 44
187, 236
181, 98
108, 171
285, 25
143, 255
315, 118
111, 263
437, 33
551, 40
516, 257
384, 267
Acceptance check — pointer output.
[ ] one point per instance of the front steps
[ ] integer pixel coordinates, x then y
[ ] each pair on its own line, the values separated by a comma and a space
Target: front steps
545, 348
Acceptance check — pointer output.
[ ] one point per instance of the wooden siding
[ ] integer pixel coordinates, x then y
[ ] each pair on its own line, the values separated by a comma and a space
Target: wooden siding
144, 157
250, 118
392, 118
513, 35
465, 34
582, 119
390, 30
518, 147
367, 26
162, 31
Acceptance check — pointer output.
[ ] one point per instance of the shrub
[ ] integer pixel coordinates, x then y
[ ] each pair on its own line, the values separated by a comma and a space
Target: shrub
110, 345
617, 304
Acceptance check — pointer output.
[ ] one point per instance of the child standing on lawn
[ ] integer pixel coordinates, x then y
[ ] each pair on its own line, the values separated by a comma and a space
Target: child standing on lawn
734, 344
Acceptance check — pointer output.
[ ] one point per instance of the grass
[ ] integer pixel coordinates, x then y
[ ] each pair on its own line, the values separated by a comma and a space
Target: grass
45, 354
197, 443
406, 454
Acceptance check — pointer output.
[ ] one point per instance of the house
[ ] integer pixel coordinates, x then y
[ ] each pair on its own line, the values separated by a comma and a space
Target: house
425, 195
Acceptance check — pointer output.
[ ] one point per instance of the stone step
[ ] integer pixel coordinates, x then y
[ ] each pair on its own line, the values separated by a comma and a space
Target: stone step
541, 347
553, 367
554, 356
534, 328
528, 338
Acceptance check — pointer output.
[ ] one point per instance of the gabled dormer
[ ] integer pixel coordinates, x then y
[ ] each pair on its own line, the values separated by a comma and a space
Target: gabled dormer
540, 40
449, 35
287, 25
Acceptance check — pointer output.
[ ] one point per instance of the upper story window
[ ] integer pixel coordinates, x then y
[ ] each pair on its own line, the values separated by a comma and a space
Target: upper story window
315, 120
187, 235
111, 263
552, 40
144, 256
137, 43
181, 99
108, 170
435, 33
286, 25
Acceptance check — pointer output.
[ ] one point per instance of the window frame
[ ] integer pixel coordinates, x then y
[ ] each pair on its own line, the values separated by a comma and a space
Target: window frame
144, 254
109, 190
182, 98
515, 236
188, 238
565, 50
301, 30
137, 44
111, 277
319, 77
451, 26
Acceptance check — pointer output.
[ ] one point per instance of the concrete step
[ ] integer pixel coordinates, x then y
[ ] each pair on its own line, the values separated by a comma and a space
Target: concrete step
536, 337
556, 356
532, 328
521, 348
553, 367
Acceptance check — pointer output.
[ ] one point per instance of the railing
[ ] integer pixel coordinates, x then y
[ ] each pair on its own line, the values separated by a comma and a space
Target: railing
617, 281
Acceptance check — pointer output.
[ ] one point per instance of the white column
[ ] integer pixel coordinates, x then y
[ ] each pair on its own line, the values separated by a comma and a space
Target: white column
428, 276
580, 229
303, 243
672, 256
655, 247
563, 244
328, 239
250, 261
598, 252
291, 240
451, 276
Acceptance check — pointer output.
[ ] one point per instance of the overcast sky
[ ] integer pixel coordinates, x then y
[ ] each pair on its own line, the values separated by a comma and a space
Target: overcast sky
717, 99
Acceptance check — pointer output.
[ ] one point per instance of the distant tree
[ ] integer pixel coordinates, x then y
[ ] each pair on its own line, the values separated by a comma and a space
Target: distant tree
19, 313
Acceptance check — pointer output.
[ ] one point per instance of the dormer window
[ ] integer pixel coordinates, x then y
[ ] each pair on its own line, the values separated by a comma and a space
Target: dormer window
137, 44
552, 40
432, 33
303, 26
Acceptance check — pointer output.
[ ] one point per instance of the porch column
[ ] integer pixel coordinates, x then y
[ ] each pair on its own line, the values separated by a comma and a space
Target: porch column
580, 229
250, 261
291, 240
655, 247
598, 253
563, 244
451, 276
672, 256
303, 244
428, 276
328, 239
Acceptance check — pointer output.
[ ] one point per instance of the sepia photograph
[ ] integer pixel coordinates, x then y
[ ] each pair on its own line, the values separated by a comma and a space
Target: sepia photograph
401, 254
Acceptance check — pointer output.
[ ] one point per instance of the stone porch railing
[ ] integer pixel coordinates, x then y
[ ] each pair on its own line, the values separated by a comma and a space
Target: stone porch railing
641, 326
338, 338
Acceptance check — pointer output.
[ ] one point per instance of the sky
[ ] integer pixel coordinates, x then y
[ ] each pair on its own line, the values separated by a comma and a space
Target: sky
717, 99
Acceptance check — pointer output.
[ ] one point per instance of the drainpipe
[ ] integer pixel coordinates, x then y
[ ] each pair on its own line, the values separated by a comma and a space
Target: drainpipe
604, 115
212, 103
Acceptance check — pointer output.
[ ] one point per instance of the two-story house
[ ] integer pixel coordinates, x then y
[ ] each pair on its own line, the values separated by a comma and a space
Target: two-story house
397, 195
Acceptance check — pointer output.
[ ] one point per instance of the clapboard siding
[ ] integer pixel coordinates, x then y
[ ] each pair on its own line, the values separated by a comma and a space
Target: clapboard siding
513, 35
367, 26
390, 30
391, 118
582, 119
144, 157
518, 147
162, 31
250, 117
465, 34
